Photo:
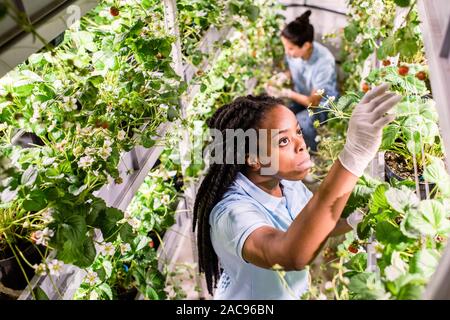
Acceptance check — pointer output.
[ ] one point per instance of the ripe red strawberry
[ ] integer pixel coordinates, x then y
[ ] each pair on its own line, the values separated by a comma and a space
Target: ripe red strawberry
365, 87
151, 244
403, 70
352, 249
386, 63
421, 75
114, 11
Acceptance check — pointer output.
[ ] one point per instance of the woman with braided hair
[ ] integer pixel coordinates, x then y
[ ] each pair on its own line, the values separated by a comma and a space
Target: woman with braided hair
248, 221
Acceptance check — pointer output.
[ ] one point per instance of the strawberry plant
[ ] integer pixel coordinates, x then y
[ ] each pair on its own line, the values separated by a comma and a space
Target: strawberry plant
129, 263
121, 270
105, 89
195, 18
398, 244
410, 237
371, 28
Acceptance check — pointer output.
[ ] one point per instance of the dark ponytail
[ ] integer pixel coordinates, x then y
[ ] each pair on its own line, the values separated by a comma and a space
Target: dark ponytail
300, 30
243, 113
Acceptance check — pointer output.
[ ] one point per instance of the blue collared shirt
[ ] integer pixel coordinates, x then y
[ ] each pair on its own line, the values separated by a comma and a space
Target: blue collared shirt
318, 72
244, 208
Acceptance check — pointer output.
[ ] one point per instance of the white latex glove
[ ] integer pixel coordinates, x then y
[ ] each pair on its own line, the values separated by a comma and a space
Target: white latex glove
354, 219
280, 78
277, 93
365, 129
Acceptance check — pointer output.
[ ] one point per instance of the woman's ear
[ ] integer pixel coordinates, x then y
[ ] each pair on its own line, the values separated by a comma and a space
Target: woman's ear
252, 162
307, 46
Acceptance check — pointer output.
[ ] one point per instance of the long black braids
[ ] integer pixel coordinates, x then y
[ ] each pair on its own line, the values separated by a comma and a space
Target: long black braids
242, 113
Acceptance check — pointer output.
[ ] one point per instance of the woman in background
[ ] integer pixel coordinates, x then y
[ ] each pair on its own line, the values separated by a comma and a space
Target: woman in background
311, 67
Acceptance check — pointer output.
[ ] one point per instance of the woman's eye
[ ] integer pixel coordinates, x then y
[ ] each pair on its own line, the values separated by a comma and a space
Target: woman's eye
284, 141
299, 132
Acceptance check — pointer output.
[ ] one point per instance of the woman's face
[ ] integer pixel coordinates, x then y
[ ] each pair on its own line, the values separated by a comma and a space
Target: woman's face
294, 51
285, 144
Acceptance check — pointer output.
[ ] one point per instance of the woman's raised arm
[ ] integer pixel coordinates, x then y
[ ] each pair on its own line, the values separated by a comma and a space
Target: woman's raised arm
297, 247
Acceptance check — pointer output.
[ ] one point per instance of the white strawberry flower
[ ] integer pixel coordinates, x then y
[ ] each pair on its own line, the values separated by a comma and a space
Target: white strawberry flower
57, 84
87, 131
105, 152
48, 232
47, 216
127, 215
328, 285
165, 200
70, 104
89, 151
41, 237
124, 248
320, 92
55, 267
40, 269
91, 278
107, 143
134, 223
107, 249
85, 162
121, 135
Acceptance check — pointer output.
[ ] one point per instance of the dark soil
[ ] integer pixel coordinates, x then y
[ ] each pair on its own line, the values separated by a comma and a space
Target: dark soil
126, 294
399, 166
11, 275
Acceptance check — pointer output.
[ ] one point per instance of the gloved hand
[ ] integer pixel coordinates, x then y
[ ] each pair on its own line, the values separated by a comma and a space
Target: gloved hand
365, 129
277, 93
279, 79
354, 219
